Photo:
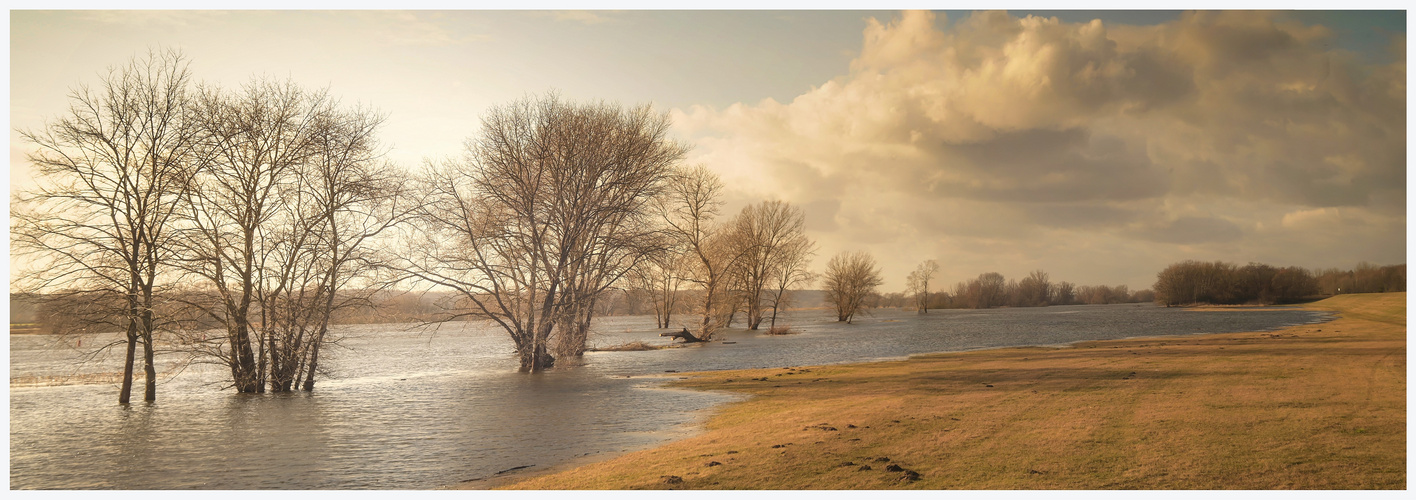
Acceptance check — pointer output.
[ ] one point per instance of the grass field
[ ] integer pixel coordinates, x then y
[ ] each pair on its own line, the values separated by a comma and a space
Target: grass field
1309, 407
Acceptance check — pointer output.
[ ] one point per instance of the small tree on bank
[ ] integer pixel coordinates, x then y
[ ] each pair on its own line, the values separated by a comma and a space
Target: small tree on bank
849, 279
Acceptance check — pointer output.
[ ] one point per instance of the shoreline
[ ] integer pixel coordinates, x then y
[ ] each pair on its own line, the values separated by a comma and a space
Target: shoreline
756, 465
695, 428
686, 430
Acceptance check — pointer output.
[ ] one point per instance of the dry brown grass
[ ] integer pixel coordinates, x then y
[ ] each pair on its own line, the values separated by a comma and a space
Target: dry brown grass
1316, 406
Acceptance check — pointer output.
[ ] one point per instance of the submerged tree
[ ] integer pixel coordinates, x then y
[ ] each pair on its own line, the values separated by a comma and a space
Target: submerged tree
547, 209
660, 276
278, 224
764, 234
343, 197
791, 265
917, 283
100, 225
690, 208
850, 278
256, 140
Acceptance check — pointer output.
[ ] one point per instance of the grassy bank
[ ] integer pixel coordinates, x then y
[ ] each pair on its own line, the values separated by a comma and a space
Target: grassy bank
1316, 406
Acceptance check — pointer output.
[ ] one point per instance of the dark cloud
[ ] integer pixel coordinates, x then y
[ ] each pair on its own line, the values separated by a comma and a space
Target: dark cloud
1079, 216
1041, 165
1192, 231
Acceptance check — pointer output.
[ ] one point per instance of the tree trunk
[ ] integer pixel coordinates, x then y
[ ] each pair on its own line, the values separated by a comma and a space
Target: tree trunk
536, 359
660, 314
754, 313
685, 335
243, 361
125, 393
150, 389
314, 360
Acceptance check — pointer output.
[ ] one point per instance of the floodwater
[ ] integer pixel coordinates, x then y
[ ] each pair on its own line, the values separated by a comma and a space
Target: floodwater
409, 408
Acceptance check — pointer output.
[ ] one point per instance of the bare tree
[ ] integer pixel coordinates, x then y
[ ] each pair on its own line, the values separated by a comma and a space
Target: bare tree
689, 210
918, 283
111, 171
544, 212
1035, 290
660, 275
1064, 293
763, 232
850, 278
791, 264
343, 198
256, 140
992, 290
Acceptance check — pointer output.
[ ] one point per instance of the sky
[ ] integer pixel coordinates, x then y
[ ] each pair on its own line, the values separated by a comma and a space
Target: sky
1100, 146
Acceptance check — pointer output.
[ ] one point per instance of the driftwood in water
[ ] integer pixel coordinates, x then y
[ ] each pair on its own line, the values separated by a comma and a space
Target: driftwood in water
687, 337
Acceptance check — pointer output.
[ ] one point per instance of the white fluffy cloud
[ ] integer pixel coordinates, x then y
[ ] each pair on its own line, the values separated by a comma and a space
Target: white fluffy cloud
1100, 153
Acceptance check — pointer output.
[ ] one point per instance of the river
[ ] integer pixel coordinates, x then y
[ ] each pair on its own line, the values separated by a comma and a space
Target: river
420, 408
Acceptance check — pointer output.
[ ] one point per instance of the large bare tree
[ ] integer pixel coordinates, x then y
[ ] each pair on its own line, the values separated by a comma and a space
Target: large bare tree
280, 225
850, 278
110, 171
547, 209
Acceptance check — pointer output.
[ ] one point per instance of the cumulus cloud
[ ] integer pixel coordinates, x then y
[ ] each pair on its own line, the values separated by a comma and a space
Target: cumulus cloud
1199, 133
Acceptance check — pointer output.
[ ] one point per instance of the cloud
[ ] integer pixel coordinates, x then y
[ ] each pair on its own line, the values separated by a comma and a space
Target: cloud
154, 18
417, 29
1192, 230
1012, 129
586, 17
580, 16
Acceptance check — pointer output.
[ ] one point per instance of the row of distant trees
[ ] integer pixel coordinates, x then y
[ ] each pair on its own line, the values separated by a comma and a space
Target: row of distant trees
166, 207
992, 289
1194, 282
1365, 277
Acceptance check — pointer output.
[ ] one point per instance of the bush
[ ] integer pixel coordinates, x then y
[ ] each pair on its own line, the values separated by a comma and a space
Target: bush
781, 330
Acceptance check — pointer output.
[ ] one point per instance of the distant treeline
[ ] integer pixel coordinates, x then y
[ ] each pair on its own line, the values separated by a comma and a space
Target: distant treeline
1035, 290
80, 313
1193, 282
95, 312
